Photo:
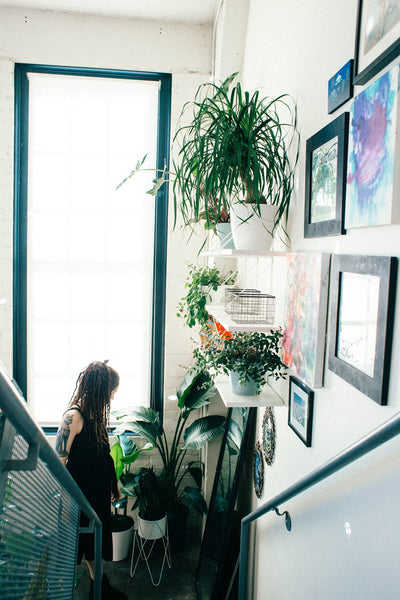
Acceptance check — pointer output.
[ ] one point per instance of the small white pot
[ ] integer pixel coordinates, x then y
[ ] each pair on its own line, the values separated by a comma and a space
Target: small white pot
121, 543
224, 232
249, 230
242, 389
152, 530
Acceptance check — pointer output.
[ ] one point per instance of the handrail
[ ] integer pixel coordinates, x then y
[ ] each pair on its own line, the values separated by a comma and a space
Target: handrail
13, 405
382, 434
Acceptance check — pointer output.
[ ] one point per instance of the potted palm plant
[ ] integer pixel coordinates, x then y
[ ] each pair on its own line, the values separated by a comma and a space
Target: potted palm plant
247, 357
194, 392
236, 162
235, 155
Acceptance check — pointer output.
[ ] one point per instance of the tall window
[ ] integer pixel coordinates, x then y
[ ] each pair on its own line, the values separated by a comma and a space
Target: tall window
89, 260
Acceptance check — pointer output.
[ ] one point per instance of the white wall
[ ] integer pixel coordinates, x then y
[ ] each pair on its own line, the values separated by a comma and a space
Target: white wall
295, 47
65, 39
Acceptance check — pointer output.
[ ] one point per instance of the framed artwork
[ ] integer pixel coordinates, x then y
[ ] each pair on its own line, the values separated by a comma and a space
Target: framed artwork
301, 405
361, 321
269, 435
326, 162
258, 470
377, 37
340, 87
373, 155
305, 315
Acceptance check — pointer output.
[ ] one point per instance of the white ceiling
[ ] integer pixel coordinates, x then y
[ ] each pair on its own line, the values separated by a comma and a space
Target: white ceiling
185, 11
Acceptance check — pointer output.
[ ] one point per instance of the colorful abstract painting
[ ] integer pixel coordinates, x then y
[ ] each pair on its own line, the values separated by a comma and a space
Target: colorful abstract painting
370, 189
305, 315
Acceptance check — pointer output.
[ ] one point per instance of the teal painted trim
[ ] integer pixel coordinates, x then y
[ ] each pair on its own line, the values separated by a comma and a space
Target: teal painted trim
20, 217
21, 111
160, 251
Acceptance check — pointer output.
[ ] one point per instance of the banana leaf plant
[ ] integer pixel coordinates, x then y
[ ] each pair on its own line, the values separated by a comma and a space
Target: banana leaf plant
195, 392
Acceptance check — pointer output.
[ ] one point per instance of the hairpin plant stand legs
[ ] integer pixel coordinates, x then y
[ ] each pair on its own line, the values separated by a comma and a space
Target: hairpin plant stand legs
142, 549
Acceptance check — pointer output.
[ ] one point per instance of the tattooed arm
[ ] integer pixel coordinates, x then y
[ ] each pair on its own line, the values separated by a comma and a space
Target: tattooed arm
70, 426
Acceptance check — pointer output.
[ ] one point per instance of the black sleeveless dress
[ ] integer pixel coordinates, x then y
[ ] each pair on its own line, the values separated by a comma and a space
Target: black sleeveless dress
93, 470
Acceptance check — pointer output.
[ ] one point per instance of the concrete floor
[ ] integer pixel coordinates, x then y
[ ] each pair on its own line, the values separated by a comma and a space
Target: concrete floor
177, 582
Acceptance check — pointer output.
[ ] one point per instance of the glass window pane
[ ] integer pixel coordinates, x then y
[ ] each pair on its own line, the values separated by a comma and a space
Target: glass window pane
90, 248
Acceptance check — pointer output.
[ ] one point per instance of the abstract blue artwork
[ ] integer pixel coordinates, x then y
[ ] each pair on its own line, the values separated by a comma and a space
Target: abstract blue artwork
372, 154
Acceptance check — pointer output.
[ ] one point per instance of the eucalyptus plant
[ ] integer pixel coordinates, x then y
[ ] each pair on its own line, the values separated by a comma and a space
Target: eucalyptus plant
237, 148
252, 355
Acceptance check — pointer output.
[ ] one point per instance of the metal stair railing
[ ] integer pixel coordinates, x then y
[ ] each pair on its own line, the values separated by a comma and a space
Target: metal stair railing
25, 454
382, 434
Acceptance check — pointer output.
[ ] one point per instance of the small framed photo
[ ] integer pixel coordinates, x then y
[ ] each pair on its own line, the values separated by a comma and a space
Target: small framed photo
340, 87
258, 470
301, 405
361, 321
377, 37
326, 164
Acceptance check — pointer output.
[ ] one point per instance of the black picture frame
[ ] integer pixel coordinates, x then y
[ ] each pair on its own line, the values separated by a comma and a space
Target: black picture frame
328, 158
362, 282
340, 87
220, 546
301, 409
380, 58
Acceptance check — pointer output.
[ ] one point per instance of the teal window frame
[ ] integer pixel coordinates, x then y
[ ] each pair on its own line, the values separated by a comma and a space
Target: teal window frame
21, 112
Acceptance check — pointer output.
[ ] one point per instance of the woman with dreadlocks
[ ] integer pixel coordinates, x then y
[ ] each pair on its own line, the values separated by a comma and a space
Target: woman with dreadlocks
82, 445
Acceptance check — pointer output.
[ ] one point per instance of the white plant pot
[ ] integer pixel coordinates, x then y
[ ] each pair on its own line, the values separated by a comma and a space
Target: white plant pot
249, 230
152, 530
224, 232
242, 389
121, 543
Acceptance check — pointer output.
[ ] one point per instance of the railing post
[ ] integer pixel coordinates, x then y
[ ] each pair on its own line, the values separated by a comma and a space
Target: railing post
244, 559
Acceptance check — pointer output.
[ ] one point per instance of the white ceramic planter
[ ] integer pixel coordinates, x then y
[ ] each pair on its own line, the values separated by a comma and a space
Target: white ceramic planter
121, 543
240, 389
249, 230
225, 237
152, 530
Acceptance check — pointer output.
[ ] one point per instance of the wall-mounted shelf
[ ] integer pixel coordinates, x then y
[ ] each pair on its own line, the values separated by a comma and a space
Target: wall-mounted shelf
220, 315
267, 397
227, 253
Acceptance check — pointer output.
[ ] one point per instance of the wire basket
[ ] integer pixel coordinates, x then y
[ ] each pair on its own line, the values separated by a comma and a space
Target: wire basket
251, 306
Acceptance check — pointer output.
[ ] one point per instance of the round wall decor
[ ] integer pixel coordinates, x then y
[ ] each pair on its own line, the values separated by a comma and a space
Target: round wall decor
269, 435
258, 470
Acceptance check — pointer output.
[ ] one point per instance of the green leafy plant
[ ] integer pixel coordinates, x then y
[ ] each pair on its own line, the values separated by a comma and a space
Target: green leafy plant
236, 148
252, 355
200, 282
194, 392
124, 453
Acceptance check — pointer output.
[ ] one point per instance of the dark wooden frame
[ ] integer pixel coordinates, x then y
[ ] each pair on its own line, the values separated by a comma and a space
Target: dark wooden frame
345, 94
293, 383
386, 57
340, 128
384, 267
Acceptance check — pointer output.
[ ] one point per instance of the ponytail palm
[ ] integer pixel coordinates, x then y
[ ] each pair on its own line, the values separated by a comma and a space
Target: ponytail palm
237, 147
194, 392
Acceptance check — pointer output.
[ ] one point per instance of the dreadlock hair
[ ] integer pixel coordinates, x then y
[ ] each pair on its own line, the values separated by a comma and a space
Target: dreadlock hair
92, 393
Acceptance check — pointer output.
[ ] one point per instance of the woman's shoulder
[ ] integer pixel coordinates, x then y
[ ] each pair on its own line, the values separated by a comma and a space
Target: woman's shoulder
73, 417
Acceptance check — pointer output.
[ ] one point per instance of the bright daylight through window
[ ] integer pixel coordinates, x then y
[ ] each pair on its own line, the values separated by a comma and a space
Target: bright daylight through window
89, 248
